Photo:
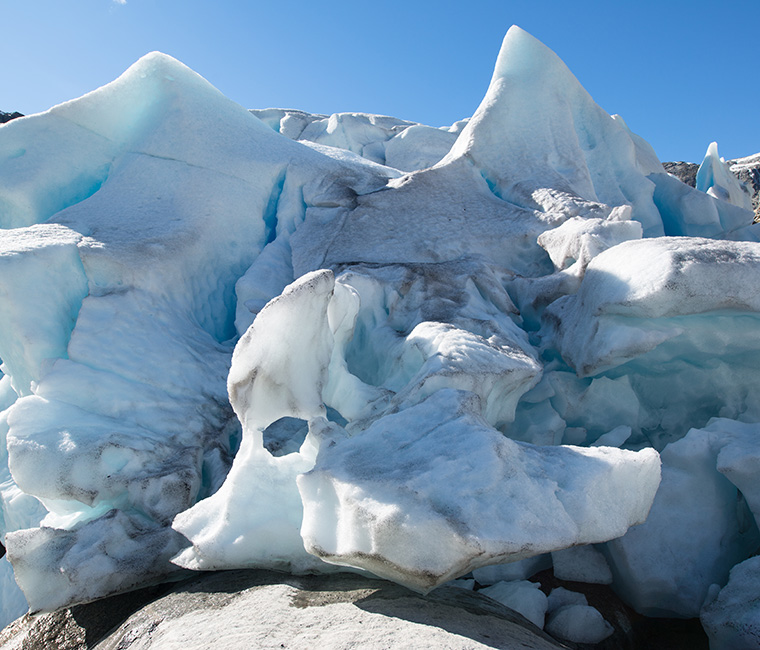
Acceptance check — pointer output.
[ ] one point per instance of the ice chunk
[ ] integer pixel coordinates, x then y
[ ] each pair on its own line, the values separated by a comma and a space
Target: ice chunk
302, 350
360, 133
131, 466
579, 624
113, 553
698, 528
466, 220
677, 317
614, 438
433, 492
47, 167
732, 620
116, 312
686, 211
289, 122
386, 140
739, 458
278, 370
418, 147
579, 240
523, 596
561, 597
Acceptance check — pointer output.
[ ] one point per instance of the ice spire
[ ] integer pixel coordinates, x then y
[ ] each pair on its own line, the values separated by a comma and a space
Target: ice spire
537, 127
714, 177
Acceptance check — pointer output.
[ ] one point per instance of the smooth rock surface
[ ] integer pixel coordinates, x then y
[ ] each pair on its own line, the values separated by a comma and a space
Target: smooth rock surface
259, 609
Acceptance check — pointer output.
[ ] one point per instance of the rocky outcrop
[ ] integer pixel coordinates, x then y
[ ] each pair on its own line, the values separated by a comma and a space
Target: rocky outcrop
259, 609
7, 117
686, 172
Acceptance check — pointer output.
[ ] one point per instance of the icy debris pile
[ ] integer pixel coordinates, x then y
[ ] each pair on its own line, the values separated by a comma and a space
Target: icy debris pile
307, 343
403, 145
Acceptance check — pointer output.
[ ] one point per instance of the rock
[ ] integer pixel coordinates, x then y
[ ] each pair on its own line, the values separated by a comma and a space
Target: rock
7, 117
685, 172
260, 609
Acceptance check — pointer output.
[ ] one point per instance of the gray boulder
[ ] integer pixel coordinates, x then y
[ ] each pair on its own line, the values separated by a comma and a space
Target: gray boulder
260, 609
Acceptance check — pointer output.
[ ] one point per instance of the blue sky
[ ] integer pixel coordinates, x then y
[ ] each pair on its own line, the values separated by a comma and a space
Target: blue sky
681, 73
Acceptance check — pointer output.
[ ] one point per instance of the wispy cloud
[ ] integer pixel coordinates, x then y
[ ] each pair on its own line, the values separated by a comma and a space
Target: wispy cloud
120, 2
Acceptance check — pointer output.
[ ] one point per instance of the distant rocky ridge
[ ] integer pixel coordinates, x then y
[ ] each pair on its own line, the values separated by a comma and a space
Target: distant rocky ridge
7, 117
686, 172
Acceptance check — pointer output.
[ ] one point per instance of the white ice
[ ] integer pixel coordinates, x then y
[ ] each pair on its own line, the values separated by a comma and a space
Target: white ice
732, 619
700, 524
428, 351
570, 618
579, 624
522, 596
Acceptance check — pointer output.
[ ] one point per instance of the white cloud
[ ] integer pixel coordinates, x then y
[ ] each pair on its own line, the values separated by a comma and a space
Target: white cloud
120, 2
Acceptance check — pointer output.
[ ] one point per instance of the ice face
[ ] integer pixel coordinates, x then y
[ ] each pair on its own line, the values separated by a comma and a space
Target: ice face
429, 351
698, 528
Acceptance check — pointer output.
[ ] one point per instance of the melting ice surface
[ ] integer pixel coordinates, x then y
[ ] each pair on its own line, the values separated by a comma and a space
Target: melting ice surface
274, 339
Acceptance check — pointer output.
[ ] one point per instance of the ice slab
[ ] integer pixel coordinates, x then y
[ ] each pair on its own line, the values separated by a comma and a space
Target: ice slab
420, 496
732, 619
522, 596
675, 318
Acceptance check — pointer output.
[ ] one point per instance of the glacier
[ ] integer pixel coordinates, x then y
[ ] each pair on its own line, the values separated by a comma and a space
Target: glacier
312, 343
